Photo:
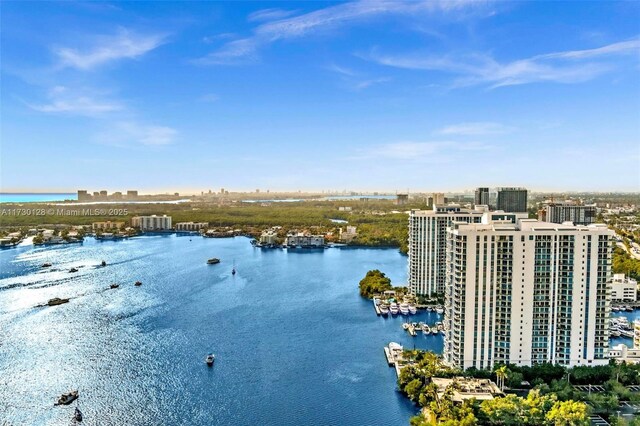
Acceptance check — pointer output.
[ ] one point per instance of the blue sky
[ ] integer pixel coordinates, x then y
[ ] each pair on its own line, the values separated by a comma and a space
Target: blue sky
315, 95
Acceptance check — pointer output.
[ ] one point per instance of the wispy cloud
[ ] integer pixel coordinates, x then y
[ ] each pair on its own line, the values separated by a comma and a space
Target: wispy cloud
475, 129
418, 151
105, 49
245, 49
269, 15
356, 80
574, 66
64, 101
370, 82
128, 133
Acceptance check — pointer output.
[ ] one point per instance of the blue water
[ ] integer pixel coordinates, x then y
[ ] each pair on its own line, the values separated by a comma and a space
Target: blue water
31, 198
295, 344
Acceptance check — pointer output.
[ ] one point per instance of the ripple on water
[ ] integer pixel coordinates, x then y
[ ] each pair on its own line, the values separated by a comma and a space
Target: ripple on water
295, 344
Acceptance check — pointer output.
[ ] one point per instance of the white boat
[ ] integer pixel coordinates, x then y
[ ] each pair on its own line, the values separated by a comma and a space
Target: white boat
413, 310
426, 329
440, 310
384, 309
404, 309
393, 308
405, 326
210, 359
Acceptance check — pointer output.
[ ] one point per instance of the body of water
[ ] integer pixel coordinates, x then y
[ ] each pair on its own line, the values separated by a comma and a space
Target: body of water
35, 197
295, 343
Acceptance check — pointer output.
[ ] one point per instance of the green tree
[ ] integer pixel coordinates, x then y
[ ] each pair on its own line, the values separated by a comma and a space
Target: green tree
375, 282
536, 407
568, 413
503, 411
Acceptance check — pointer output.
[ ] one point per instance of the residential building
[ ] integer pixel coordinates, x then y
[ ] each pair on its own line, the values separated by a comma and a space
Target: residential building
512, 200
106, 225
349, 234
191, 226
152, 223
624, 289
427, 243
636, 334
564, 212
526, 293
302, 240
269, 237
481, 197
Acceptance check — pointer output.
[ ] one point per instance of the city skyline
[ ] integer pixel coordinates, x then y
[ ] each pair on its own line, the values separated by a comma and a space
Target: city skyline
308, 96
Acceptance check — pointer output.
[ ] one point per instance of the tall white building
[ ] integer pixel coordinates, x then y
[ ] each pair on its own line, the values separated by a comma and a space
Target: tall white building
526, 293
151, 223
427, 243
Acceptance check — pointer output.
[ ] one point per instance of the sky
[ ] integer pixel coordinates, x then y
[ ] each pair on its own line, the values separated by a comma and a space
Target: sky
375, 95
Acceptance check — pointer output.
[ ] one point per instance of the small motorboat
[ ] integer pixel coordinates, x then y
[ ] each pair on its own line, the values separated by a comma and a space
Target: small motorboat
77, 415
46, 265
405, 326
56, 301
233, 271
210, 359
213, 261
73, 270
67, 398
138, 284
114, 286
413, 310
103, 263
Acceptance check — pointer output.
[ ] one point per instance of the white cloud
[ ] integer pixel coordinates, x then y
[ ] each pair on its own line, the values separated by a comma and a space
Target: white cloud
561, 67
269, 15
123, 45
363, 84
475, 129
244, 49
355, 80
421, 150
127, 133
65, 101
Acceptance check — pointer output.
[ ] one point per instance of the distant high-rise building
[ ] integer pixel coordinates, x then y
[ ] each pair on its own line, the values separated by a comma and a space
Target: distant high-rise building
83, 195
526, 293
402, 199
132, 194
512, 200
436, 199
563, 212
481, 197
427, 242
103, 193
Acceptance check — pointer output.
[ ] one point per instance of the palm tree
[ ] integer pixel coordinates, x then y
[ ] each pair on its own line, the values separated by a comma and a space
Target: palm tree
501, 374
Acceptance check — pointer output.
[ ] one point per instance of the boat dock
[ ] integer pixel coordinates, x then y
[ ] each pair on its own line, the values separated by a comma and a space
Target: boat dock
376, 307
393, 352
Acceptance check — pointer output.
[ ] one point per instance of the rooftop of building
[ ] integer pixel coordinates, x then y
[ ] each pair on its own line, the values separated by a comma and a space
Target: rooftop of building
466, 388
